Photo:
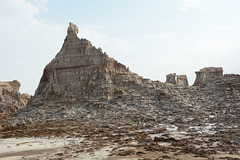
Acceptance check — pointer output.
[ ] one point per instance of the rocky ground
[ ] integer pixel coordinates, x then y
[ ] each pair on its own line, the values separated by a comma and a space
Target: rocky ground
125, 141
196, 126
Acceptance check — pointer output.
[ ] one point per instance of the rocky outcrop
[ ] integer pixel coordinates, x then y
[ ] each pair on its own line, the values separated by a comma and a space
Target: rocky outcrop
81, 77
171, 78
82, 74
72, 28
10, 98
81, 71
207, 75
84, 93
182, 80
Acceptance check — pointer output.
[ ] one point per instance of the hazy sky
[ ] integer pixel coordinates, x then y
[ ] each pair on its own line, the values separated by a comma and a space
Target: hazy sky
151, 37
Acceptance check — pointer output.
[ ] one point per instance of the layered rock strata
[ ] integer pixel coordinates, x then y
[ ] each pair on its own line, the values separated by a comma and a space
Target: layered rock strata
82, 72
207, 75
82, 76
182, 80
10, 98
171, 78
84, 93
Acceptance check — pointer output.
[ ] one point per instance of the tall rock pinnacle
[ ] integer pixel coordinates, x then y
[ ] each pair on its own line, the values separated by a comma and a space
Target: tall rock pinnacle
79, 71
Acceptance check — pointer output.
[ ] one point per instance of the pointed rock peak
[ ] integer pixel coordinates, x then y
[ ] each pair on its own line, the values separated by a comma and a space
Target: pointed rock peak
72, 28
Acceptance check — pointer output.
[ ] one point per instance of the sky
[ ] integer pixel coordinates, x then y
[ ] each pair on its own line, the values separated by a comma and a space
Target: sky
151, 37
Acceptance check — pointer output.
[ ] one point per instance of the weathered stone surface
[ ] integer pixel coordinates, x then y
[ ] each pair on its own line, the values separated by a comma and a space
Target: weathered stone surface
207, 75
72, 29
171, 78
15, 85
81, 71
84, 93
182, 80
233, 80
82, 76
10, 98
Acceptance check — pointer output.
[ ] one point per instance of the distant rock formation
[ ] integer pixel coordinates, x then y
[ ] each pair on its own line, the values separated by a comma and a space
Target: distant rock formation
10, 98
207, 74
182, 80
171, 78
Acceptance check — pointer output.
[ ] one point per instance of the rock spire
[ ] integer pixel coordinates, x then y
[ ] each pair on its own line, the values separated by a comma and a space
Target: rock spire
72, 28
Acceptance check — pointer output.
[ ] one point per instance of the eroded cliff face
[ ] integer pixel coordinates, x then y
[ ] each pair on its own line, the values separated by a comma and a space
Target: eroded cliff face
171, 78
81, 72
181, 79
10, 98
207, 74
81, 77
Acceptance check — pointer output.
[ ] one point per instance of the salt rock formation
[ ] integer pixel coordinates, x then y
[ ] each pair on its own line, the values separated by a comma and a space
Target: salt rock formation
207, 74
82, 85
171, 78
85, 94
10, 98
83, 73
182, 80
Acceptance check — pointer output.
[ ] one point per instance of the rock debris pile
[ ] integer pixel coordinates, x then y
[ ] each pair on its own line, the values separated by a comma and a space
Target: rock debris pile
84, 93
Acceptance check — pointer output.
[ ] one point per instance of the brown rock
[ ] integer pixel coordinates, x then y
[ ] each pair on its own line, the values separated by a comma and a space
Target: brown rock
182, 80
85, 93
126, 152
207, 75
233, 79
10, 98
72, 28
15, 85
80, 71
171, 78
